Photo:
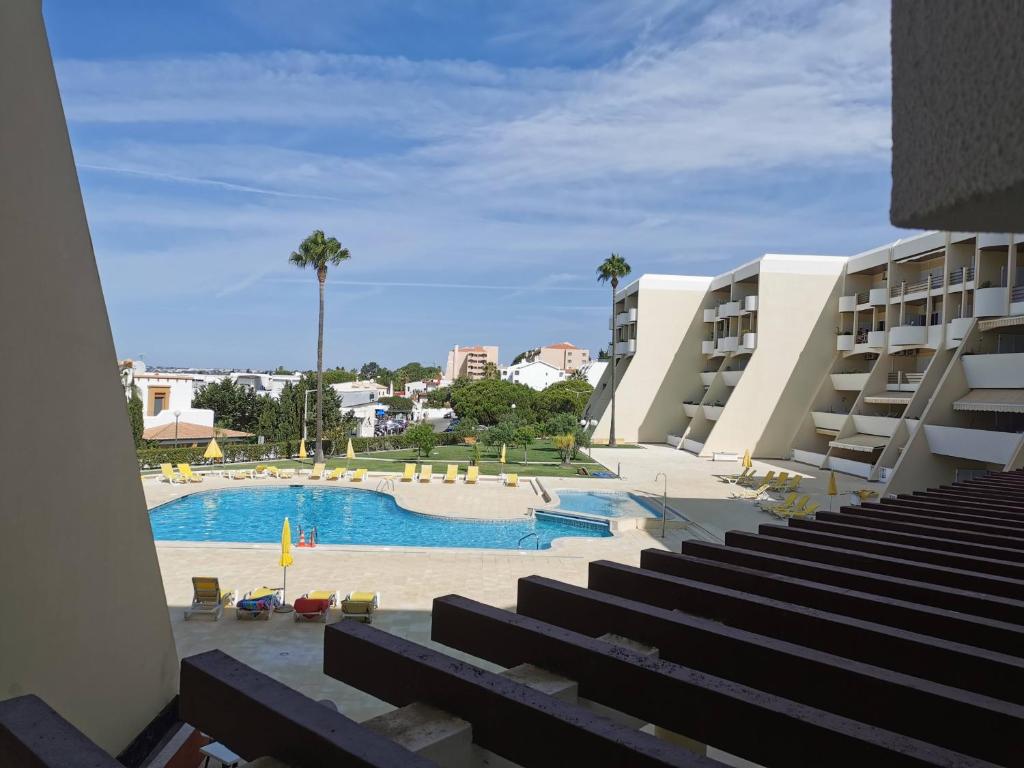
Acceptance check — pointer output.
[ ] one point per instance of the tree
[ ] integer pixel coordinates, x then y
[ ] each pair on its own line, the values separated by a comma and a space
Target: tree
372, 370
522, 356
609, 271
415, 372
565, 445
439, 398
339, 376
281, 371
500, 434
602, 354
289, 419
234, 405
491, 371
489, 400
465, 428
522, 436
269, 418
318, 252
578, 375
569, 396
397, 404
421, 437
331, 403
135, 417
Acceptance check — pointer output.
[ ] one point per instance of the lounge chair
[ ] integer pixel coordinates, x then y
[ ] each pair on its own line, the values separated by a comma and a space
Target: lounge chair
286, 473
408, 473
761, 492
452, 473
208, 599
746, 473
795, 510
259, 603
317, 472
787, 502
780, 482
315, 606
472, 475
169, 474
865, 493
186, 472
241, 474
273, 471
337, 473
360, 606
359, 475
512, 479
751, 480
794, 483
426, 472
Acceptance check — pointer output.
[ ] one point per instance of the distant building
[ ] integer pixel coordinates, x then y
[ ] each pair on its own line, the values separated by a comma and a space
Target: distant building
166, 397
414, 388
593, 371
565, 356
535, 375
353, 393
469, 362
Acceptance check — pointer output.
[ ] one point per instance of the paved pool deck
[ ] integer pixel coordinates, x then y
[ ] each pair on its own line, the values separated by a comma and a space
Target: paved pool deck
410, 578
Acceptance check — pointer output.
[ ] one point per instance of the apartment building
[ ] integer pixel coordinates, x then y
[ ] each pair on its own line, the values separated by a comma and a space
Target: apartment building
469, 362
565, 356
903, 364
534, 374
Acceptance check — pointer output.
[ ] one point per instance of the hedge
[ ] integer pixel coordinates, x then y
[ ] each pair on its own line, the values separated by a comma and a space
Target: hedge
248, 452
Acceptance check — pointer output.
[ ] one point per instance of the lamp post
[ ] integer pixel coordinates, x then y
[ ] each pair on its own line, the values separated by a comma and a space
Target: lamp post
177, 415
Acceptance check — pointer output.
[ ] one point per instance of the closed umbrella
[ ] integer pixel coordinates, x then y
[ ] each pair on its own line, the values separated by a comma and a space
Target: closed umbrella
213, 451
302, 449
350, 452
502, 459
747, 463
832, 490
284, 561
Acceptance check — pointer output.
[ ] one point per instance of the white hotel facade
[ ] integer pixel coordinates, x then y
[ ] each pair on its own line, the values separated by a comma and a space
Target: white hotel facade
903, 364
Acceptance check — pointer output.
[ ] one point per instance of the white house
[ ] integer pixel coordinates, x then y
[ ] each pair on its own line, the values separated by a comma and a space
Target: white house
593, 371
166, 397
536, 374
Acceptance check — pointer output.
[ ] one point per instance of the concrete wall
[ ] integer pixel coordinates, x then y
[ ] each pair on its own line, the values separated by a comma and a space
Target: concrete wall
798, 301
85, 617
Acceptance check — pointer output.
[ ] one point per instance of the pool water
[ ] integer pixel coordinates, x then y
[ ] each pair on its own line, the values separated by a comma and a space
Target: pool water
341, 516
606, 504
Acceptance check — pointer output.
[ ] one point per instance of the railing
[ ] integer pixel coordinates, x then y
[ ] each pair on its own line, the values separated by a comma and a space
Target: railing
962, 275
930, 282
863, 298
519, 544
1017, 294
901, 377
385, 484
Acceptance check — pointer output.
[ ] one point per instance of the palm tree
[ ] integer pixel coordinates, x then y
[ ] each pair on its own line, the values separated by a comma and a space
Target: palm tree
610, 270
318, 251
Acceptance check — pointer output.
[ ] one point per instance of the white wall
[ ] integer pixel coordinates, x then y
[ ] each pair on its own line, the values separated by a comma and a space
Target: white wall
535, 375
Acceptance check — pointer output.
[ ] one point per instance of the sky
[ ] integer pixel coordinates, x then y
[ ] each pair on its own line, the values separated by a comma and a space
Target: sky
478, 159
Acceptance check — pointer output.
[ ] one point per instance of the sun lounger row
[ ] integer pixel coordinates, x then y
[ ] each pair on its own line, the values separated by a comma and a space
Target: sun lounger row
209, 599
791, 506
748, 478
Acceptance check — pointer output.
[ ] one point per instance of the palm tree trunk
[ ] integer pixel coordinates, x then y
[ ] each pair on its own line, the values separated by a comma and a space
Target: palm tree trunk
320, 376
611, 430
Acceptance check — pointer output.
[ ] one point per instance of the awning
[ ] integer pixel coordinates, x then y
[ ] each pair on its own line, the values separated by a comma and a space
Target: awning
1000, 322
888, 399
861, 442
992, 400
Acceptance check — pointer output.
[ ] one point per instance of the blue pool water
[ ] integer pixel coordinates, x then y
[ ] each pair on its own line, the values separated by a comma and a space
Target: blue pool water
341, 516
606, 504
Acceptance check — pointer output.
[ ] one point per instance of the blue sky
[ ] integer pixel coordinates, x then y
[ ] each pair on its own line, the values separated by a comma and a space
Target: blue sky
478, 159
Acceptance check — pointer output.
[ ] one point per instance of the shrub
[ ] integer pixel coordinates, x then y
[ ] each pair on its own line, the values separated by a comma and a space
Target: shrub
422, 438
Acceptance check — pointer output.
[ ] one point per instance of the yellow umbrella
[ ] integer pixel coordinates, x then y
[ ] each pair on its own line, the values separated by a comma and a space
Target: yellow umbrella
747, 463
302, 449
213, 450
502, 460
285, 560
350, 452
832, 490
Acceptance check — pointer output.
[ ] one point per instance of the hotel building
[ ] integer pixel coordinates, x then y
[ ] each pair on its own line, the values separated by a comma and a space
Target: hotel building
469, 362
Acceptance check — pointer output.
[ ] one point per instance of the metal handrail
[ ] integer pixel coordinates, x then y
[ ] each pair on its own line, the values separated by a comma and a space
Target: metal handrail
524, 538
386, 483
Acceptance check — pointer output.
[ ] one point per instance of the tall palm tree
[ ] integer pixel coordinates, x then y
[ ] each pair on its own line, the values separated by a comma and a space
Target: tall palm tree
609, 271
318, 251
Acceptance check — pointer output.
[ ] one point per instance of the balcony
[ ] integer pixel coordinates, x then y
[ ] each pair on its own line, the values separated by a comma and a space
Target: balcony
727, 344
710, 315
691, 409
882, 426
847, 303
729, 309
878, 297
957, 329
849, 382
627, 347
876, 339
991, 302
904, 335
749, 342
844, 342
706, 377
731, 378
624, 318
994, 371
750, 303
903, 381
707, 347
959, 278
977, 444
713, 412
849, 467
830, 421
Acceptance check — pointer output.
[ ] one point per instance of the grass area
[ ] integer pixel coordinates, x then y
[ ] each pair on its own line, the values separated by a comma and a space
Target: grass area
543, 461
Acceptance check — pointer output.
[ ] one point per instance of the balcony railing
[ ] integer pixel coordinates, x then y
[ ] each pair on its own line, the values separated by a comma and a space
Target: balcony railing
928, 283
1017, 294
962, 275
863, 297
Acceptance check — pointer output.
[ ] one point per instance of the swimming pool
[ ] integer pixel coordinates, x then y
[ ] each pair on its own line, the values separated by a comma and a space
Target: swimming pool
341, 516
607, 504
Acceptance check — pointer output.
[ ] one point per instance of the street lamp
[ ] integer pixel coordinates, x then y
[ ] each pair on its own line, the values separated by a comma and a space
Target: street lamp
177, 415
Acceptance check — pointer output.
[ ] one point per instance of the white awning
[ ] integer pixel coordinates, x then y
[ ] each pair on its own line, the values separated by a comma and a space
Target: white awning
861, 442
992, 400
888, 399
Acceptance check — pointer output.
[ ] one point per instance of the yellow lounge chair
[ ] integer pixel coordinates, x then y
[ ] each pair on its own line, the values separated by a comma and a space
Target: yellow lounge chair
337, 473
241, 474
512, 479
472, 474
781, 481
794, 483
746, 473
359, 475
408, 473
286, 473
208, 599
360, 606
169, 475
452, 474
273, 471
186, 472
426, 472
751, 479
317, 472
784, 511
865, 493
786, 503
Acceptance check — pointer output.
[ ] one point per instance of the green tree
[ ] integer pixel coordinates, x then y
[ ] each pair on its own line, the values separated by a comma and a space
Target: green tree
439, 398
269, 419
522, 356
565, 445
331, 403
421, 437
522, 436
282, 371
234, 406
397, 404
489, 400
559, 424
289, 420
609, 271
135, 417
491, 371
318, 252
569, 396
339, 376
376, 372
415, 372
465, 428
503, 433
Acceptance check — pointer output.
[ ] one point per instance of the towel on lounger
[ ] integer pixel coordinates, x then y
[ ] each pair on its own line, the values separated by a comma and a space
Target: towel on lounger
265, 603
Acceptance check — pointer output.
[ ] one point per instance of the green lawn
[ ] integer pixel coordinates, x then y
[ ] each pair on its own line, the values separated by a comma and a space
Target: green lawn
543, 461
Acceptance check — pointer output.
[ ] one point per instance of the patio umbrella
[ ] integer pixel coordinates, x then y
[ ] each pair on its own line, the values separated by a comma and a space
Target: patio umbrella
350, 452
213, 450
747, 463
502, 459
302, 449
284, 561
832, 490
